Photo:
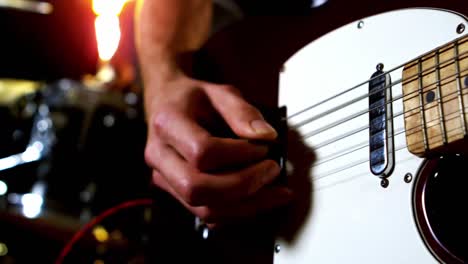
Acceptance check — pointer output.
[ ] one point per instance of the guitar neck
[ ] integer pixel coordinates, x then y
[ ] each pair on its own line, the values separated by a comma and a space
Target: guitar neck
435, 98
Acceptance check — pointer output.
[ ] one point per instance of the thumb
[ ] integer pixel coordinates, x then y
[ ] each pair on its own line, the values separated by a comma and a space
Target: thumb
244, 119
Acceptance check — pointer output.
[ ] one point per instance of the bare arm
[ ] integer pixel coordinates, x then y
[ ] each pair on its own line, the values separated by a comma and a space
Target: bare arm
166, 29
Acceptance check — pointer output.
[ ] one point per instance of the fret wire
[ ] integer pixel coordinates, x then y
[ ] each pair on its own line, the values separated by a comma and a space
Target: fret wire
359, 162
459, 90
439, 99
394, 99
360, 129
424, 125
450, 119
421, 106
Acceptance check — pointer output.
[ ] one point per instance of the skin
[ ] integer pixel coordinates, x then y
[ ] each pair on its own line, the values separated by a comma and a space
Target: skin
217, 179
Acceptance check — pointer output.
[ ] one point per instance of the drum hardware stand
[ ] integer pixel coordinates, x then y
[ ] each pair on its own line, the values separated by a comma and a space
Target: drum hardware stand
43, 8
40, 144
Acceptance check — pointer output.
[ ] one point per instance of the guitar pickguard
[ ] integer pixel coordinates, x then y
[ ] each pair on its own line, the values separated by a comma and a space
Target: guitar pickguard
344, 213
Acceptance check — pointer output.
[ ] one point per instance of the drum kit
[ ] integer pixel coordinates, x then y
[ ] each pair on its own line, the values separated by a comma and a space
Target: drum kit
70, 150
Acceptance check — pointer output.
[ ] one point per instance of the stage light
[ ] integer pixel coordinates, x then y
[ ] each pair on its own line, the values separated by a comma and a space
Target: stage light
107, 26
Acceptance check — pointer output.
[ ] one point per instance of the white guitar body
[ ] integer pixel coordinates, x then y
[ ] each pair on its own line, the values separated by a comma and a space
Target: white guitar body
351, 217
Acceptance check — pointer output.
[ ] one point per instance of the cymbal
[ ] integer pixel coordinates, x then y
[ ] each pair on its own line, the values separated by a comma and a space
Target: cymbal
12, 89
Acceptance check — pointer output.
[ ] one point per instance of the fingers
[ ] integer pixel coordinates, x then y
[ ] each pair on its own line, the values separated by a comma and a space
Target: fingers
244, 119
199, 148
199, 188
264, 200
215, 178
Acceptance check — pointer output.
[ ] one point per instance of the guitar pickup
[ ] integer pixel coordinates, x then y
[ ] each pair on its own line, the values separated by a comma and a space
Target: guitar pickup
381, 153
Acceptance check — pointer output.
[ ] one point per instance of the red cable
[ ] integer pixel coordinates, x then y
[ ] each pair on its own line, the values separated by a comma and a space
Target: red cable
80, 233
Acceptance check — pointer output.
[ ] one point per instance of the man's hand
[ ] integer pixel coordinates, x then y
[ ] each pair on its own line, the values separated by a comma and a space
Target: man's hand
218, 179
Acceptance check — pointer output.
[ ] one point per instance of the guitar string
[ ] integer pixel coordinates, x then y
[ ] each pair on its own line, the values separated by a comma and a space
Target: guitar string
441, 114
420, 74
360, 129
341, 106
436, 51
310, 134
362, 112
365, 111
362, 161
365, 144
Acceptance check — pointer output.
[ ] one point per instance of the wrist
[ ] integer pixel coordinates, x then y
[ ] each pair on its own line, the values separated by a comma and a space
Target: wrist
165, 67
157, 67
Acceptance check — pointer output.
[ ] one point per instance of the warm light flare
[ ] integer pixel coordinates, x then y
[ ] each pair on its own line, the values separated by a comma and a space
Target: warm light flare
107, 26
107, 36
109, 7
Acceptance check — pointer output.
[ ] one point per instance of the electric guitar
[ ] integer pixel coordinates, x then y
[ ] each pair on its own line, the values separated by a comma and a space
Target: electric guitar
383, 103
376, 96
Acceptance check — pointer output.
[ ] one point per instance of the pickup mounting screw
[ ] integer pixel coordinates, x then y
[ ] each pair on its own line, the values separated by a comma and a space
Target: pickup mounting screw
408, 177
384, 183
277, 248
380, 67
460, 28
360, 24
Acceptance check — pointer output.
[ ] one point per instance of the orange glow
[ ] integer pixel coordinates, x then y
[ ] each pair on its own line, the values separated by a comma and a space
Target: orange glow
107, 26
110, 7
107, 36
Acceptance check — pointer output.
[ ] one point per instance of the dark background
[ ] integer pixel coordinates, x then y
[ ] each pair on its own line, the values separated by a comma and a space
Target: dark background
49, 48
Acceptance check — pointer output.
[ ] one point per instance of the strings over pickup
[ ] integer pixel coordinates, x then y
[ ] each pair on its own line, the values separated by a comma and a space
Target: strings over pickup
380, 124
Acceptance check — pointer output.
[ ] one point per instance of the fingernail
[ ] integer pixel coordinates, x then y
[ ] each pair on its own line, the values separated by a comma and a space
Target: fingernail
262, 127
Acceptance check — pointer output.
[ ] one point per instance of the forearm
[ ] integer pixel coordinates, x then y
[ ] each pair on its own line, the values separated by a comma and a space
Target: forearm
167, 28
